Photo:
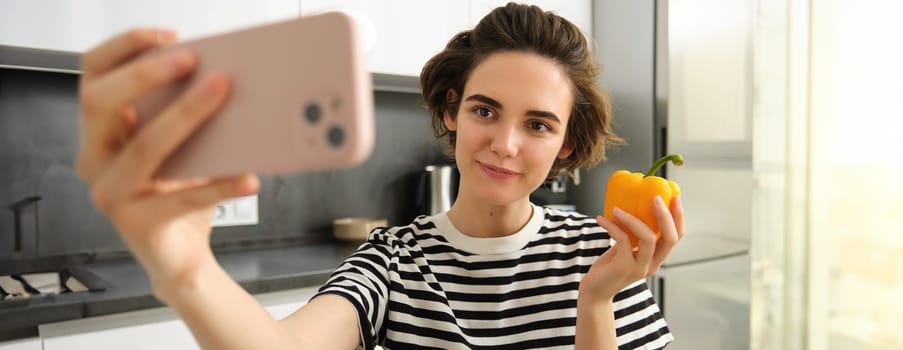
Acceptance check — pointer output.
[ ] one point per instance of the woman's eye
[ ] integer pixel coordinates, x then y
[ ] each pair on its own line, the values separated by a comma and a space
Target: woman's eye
539, 126
483, 112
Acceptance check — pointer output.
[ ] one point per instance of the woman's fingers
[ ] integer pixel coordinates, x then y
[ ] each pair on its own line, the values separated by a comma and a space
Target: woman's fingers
650, 253
645, 237
614, 232
677, 211
204, 196
624, 252
122, 47
142, 157
108, 119
668, 230
121, 87
132, 217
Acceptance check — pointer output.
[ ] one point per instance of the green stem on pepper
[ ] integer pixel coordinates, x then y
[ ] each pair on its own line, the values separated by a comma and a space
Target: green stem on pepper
675, 158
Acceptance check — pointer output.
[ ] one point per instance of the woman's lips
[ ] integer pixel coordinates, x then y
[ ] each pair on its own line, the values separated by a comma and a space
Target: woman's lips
496, 172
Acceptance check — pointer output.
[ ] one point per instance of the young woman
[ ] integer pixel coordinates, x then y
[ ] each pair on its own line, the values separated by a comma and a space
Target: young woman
516, 100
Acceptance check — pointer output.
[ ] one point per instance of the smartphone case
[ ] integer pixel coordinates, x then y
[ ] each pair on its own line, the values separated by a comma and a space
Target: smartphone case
301, 100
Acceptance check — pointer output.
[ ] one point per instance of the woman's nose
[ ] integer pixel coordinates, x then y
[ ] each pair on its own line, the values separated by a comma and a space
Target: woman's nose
505, 141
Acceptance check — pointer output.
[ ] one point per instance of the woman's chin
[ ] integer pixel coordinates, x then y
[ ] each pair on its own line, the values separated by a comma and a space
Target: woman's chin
497, 196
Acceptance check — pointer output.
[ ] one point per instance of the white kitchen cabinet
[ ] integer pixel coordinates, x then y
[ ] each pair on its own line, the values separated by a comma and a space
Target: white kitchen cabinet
146, 329
706, 303
80, 25
21, 344
158, 328
709, 111
710, 77
401, 35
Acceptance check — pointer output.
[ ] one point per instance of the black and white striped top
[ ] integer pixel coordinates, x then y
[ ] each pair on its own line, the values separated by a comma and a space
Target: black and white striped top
426, 286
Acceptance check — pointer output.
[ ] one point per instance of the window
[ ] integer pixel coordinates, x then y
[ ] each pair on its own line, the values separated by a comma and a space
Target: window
828, 222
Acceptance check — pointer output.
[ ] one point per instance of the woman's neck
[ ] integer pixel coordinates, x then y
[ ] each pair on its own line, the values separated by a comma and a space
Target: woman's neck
476, 219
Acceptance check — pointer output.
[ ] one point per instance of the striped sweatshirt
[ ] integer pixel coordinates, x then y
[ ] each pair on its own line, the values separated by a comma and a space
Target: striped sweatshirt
428, 286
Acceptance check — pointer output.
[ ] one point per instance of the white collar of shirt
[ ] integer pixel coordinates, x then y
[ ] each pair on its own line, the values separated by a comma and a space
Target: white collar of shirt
494, 245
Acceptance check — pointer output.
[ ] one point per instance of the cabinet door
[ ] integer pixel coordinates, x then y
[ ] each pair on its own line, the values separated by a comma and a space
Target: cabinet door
284, 303
706, 304
709, 112
139, 330
21, 344
401, 34
80, 25
577, 11
150, 329
710, 77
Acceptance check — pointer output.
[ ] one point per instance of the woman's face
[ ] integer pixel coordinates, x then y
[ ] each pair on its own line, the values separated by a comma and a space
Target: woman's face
510, 126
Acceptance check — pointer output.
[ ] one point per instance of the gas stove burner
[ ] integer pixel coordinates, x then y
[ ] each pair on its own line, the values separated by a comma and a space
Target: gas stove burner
45, 276
23, 286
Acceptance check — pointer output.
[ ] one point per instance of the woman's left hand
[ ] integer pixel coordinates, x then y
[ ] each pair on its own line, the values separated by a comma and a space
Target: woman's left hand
620, 265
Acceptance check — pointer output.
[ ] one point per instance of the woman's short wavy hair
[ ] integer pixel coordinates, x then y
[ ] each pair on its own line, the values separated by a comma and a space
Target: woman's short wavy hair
526, 28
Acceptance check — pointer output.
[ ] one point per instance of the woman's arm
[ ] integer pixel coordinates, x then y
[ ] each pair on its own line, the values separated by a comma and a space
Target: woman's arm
222, 315
619, 267
166, 223
595, 325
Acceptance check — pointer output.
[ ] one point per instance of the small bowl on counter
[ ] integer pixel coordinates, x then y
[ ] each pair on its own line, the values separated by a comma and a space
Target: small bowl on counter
355, 229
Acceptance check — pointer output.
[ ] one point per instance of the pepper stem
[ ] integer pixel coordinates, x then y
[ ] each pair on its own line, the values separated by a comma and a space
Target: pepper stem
675, 158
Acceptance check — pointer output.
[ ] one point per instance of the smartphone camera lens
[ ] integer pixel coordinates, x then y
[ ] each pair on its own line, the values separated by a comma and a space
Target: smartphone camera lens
313, 112
336, 136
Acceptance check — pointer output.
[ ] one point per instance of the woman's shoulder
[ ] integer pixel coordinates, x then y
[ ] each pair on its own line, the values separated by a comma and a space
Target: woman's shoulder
570, 223
554, 216
420, 228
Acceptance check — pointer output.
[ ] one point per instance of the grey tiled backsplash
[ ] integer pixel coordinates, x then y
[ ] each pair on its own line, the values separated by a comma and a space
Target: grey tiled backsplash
39, 142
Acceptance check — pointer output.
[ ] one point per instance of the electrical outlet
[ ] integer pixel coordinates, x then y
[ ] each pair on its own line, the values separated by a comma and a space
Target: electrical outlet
236, 212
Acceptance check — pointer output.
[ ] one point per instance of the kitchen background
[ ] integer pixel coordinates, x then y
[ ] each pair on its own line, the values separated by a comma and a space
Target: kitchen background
783, 110
39, 149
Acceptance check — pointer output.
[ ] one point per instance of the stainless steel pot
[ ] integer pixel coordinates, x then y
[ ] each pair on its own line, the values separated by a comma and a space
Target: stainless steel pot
438, 188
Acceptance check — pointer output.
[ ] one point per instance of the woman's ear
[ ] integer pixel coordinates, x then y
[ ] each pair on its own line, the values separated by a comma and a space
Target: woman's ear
566, 150
450, 123
450, 98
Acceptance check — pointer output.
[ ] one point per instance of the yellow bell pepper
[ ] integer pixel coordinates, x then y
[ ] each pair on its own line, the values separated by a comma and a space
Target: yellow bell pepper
634, 192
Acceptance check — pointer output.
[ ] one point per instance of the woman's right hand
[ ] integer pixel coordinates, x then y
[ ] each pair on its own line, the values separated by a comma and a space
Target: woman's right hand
165, 224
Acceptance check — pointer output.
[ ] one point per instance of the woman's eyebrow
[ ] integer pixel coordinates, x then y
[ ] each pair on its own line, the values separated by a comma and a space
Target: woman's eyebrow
544, 115
498, 105
485, 99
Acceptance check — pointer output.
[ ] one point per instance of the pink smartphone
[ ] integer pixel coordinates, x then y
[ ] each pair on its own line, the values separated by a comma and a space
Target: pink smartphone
301, 100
